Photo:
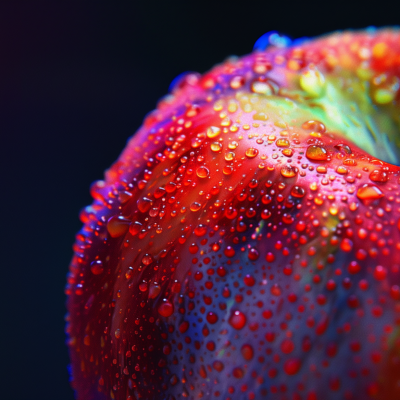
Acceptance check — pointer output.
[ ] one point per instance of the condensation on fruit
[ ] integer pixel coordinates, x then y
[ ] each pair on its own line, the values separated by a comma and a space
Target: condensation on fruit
246, 244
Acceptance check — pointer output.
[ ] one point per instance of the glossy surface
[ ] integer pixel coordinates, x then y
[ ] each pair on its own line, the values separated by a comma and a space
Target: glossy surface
246, 244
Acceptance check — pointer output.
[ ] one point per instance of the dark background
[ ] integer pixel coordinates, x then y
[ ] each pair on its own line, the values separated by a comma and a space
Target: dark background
76, 80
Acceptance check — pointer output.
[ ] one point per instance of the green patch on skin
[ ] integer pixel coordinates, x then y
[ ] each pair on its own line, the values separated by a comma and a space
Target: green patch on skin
347, 108
343, 104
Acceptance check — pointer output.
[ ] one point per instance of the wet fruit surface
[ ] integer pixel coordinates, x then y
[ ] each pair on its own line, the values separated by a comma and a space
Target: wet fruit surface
246, 244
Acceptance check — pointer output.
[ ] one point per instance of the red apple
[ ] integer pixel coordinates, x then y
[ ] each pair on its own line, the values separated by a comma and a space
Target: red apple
246, 244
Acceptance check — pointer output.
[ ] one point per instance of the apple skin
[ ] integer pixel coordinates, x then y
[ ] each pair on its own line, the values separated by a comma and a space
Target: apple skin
246, 244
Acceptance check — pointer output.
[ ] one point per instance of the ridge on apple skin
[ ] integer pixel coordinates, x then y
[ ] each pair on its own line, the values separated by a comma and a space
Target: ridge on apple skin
246, 244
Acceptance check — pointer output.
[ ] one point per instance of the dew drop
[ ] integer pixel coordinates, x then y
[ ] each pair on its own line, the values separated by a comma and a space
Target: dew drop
233, 145
297, 191
287, 346
288, 152
216, 147
369, 193
260, 116
287, 171
237, 320
253, 254
251, 152
292, 366
314, 125
195, 206
247, 352
343, 148
147, 259
262, 88
317, 153
154, 290
117, 225
380, 273
166, 308
249, 280
276, 290
282, 143
238, 373
200, 230
341, 170
218, 365
143, 286
212, 317
202, 172
377, 175
144, 204
229, 156
236, 82
96, 267
135, 227
213, 132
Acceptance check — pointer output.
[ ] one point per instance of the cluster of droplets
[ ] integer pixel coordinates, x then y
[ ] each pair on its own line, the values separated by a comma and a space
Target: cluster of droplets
239, 247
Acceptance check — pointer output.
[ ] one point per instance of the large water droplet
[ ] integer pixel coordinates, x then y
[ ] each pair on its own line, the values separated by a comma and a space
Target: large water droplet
237, 320
317, 153
369, 193
118, 225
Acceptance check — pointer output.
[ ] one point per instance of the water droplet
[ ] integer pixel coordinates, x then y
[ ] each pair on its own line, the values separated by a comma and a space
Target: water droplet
200, 230
195, 206
237, 320
236, 82
260, 116
238, 373
118, 225
229, 156
154, 290
282, 143
166, 308
380, 273
249, 280
218, 365
317, 153
212, 317
202, 172
135, 227
369, 193
143, 286
147, 259
262, 88
216, 147
343, 148
144, 204
276, 290
314, 125
287, 346
213, 132
253, 254
233, 145
96, 267
288, 171
341, 170
288, 152
292, 366
183, 327
251, 152
378, 175
247, 352
297, 191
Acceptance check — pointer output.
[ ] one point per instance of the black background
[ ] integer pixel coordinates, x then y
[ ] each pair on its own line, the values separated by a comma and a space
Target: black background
76, 80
